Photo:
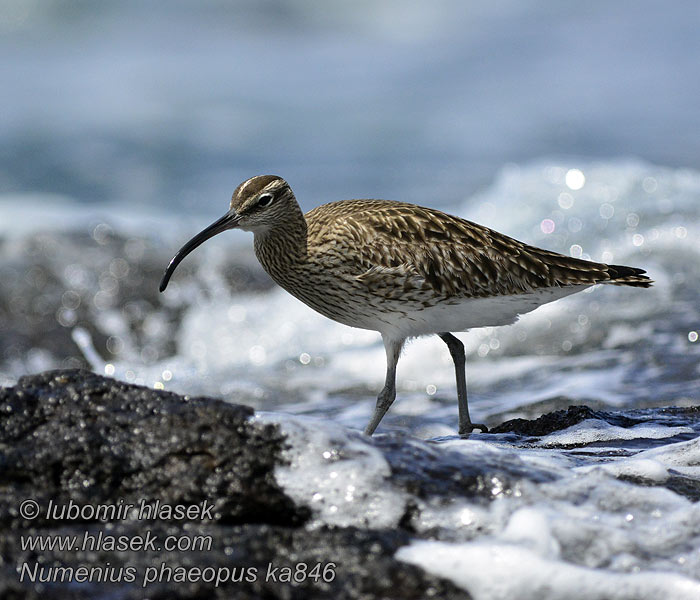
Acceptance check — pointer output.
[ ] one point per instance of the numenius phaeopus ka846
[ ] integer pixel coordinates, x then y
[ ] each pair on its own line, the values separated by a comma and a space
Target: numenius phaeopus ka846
402, 270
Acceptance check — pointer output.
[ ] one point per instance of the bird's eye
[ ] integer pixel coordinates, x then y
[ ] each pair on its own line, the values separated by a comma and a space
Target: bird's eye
265, 200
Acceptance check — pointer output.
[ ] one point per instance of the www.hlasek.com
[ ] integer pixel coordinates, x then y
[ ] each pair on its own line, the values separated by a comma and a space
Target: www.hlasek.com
145, 541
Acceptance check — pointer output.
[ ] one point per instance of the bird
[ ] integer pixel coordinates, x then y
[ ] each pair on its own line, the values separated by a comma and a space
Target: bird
401, 269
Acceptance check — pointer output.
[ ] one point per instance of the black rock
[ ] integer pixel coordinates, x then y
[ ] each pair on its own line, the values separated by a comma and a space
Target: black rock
73, 435
251, 561
562, 419
558, 420
76, 437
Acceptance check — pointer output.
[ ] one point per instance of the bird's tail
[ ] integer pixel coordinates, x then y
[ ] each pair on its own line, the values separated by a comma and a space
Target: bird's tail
621, 275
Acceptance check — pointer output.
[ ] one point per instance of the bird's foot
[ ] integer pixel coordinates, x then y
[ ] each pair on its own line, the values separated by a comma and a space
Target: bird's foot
469, 428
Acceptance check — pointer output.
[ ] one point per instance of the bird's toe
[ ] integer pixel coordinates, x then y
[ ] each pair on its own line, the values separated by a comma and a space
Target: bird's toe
465, 431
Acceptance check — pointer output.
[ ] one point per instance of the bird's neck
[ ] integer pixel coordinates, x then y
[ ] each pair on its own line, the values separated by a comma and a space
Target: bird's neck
281, 249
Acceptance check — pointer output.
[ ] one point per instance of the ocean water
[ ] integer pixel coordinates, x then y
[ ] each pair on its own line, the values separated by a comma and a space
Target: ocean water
221, 328
542, 524
126, 126
592, 510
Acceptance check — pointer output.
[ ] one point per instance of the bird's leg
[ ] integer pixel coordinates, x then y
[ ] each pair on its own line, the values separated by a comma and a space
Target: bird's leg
456, 348
388, 393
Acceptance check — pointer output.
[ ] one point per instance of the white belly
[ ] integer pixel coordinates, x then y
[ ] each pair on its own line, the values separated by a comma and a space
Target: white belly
470, 313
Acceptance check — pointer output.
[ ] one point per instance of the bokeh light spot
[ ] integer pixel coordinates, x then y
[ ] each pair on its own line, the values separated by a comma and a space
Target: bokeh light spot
575, 179
547, 226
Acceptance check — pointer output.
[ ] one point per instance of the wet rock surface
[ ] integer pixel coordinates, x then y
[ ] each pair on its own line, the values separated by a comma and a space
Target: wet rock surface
74, 437
251, 561
439, 474
574, 415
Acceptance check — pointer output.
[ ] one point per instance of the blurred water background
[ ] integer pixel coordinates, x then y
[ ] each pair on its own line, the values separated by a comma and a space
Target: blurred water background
126, 125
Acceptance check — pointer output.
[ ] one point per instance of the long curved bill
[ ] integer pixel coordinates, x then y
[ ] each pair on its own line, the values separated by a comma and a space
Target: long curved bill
228, 221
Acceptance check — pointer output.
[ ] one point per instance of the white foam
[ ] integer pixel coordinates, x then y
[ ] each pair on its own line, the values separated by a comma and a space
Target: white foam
681, 454
584, 524
336, 473
502, 571
656, 464
648, 469
593, 430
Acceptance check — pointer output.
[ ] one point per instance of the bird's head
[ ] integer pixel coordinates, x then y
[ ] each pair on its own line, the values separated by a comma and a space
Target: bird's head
261, 202
257, 204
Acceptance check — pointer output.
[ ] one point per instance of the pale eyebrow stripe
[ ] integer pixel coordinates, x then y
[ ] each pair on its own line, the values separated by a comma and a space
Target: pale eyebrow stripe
272, 185
245, 185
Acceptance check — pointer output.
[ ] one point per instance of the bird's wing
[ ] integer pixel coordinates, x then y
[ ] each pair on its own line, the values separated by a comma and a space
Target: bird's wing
422, 247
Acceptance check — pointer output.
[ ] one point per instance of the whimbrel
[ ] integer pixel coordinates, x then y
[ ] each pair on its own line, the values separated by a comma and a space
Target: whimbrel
402, 270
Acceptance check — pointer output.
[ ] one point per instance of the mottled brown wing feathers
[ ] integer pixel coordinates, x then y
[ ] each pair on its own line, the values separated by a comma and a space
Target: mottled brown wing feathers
452, 256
